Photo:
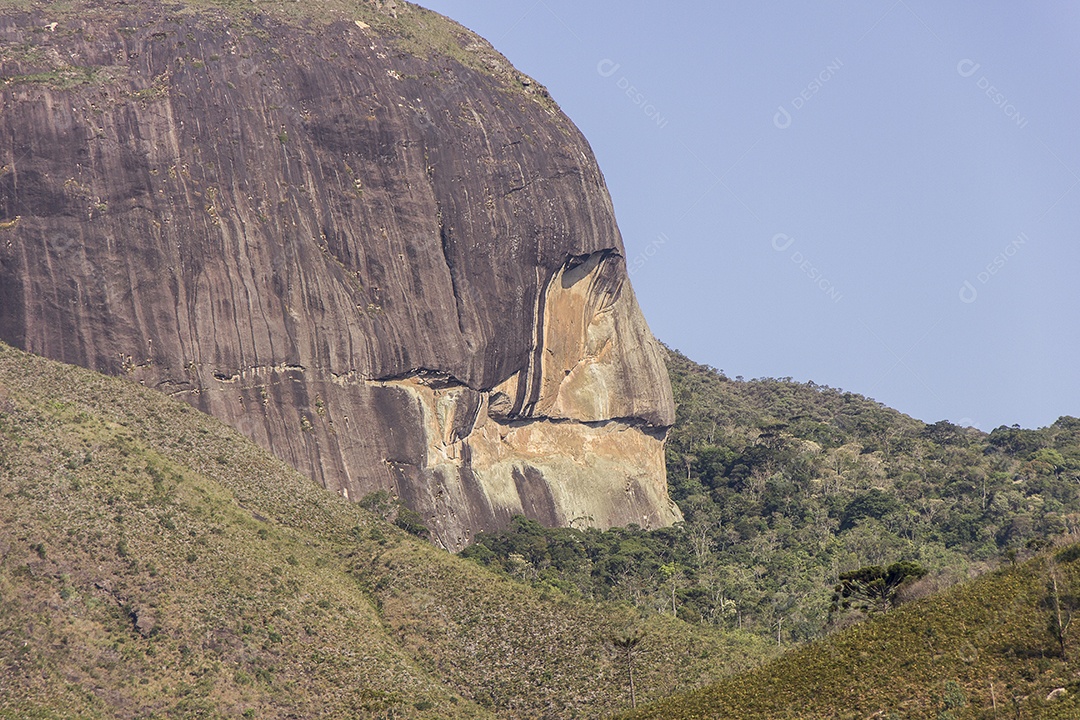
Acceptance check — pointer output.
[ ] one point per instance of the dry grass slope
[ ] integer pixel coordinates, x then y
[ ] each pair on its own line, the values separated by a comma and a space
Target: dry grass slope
980, 650
154, 564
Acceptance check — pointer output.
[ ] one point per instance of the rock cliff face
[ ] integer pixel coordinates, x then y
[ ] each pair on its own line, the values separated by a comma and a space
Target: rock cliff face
361, 238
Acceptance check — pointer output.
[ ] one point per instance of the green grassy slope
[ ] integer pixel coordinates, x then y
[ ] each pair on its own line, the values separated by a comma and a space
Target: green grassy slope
153, 563
980, 650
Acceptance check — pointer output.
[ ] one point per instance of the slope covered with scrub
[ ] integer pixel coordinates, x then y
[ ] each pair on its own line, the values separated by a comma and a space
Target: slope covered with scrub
988, 649
153, 563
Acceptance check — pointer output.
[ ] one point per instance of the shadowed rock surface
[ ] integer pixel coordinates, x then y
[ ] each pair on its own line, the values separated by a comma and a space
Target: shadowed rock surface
359, 237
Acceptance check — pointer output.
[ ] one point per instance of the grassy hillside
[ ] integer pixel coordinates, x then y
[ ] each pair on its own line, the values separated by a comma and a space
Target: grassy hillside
981, 650
155, 564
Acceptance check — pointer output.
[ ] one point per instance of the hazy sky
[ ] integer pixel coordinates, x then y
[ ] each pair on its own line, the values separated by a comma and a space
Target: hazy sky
882, 196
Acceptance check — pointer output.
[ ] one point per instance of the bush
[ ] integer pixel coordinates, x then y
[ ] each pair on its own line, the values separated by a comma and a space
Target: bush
410, 521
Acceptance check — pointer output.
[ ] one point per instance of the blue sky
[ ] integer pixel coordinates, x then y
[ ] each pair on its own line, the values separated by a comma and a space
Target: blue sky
882, 196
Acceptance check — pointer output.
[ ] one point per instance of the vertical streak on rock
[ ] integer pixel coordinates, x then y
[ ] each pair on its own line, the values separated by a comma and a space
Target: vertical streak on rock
260, 227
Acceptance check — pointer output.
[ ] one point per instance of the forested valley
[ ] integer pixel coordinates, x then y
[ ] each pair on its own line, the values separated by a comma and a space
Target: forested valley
798, 501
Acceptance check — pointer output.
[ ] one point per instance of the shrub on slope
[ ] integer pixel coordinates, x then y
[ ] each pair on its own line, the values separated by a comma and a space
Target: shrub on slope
980, 650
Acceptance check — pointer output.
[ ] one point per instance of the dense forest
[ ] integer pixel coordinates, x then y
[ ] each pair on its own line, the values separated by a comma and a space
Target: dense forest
790, 490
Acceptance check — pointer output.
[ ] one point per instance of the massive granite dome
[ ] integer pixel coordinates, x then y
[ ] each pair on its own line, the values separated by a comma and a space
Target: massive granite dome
353, 232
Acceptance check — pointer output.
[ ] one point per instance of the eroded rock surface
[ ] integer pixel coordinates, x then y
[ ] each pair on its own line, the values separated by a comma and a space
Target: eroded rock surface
392, 268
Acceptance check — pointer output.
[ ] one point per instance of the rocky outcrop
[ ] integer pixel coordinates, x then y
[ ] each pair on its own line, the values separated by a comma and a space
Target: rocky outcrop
362, 239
